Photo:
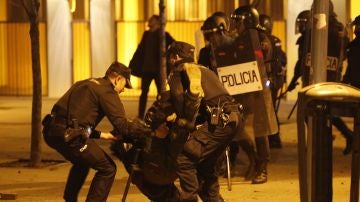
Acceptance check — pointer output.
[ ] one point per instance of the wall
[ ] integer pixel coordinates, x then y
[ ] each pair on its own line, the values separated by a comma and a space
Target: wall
59, 47
102, 36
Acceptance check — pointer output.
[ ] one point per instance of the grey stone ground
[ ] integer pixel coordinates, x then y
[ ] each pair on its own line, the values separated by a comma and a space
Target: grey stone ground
47, 183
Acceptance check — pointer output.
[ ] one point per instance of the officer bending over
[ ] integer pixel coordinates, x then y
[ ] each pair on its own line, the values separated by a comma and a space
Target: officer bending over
70, 130
196, 163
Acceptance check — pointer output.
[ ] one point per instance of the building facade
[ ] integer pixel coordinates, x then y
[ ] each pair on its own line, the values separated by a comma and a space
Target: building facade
80, 38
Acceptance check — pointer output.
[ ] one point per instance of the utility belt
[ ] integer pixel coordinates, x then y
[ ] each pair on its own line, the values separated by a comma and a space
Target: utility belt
70, 128
223, 114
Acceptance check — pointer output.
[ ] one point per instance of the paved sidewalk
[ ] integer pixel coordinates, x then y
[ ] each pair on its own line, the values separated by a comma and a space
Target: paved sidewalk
47, 183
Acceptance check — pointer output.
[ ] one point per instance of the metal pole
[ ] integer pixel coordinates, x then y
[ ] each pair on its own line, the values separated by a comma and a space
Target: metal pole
302, 163
133, 167
319, 40
228, 169
355, 163
163, 74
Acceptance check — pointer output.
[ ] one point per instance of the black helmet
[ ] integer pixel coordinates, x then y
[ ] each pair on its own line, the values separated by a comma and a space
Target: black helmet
210, 26
221, 19
183, 49
246, 15
302, 21
266, 23
215, 23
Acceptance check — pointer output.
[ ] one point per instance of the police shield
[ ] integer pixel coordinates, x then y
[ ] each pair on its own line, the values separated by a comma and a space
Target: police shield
337, 41
241, 69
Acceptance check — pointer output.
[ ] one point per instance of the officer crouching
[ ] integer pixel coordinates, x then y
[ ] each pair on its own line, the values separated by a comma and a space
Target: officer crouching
70, 130
197, 161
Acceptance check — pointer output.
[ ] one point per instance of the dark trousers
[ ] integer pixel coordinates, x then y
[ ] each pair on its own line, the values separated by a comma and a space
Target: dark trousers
263, 149
196, 164
342, 127
85, 154
274, 95
145, 84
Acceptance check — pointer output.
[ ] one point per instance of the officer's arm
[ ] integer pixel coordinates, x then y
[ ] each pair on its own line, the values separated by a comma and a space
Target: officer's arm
297, 74
114, 110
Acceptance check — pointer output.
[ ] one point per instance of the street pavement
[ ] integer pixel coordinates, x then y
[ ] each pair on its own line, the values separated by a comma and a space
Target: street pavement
46, 183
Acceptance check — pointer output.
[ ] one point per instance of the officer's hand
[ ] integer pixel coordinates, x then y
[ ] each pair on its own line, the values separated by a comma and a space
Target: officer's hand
107, 136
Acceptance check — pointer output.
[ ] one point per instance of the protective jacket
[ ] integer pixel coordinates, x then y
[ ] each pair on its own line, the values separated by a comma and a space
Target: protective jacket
352, 75
88, 101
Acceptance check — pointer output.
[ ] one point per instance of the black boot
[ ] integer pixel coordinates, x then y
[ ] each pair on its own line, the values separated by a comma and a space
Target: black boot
275, 141
249, 149
261, 173
345, 131
263, 151
348, 147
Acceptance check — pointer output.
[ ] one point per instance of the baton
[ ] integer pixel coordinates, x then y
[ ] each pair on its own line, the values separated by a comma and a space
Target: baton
281, 95
292, 110
228, 168
278, 99
133, 167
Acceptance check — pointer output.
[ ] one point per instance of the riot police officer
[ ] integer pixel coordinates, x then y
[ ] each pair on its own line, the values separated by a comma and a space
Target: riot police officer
351, 77
216, 32
302, 26
277, 72
337, 40
260, 118
70, 130
196, 163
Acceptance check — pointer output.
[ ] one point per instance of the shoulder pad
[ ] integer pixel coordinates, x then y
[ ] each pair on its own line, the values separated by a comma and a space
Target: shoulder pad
94, 81
193, 73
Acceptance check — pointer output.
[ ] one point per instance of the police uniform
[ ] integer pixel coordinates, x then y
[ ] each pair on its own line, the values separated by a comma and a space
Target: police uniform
278, 63
352, 77
260, 119
298, 69
196, 162
207, 59
71, 128
337, 40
